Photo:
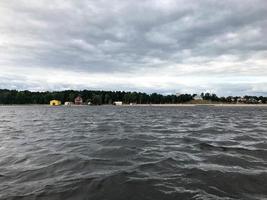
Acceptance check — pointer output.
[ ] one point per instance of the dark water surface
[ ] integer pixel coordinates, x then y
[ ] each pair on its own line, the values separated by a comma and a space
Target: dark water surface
133, 153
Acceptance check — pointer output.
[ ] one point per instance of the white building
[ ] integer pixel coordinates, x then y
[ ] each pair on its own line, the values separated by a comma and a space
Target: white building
68, 103
197, 97
241, 100
117, 103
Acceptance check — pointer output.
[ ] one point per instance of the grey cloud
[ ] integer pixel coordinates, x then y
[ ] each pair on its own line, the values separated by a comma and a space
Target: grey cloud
127, 36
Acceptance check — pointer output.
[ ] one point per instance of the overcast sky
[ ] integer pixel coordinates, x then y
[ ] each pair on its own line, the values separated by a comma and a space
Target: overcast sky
165, 46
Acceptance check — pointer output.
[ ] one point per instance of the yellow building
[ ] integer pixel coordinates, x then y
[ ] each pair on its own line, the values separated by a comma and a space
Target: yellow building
55, 103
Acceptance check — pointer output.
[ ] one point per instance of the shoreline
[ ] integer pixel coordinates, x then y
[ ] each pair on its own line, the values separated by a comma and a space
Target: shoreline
197, 105
146, 105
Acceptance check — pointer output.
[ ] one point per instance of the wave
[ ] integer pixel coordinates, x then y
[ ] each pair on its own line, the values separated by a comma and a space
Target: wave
106, 153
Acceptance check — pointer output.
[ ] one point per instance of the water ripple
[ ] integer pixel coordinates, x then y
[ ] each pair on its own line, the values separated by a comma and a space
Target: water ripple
133, 153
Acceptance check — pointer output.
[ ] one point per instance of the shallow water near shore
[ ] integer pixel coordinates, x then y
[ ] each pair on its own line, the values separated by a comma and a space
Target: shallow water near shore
135, 153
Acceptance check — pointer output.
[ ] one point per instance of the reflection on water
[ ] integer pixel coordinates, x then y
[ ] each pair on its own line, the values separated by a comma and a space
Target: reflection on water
133, 153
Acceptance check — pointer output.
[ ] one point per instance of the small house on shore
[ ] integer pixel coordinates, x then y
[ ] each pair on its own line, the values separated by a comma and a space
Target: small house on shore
68, 103
117, 103
197, 97
241, 100
55, 103
78, 100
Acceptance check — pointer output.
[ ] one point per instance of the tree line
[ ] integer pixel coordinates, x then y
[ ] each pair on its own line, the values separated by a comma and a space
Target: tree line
108, 97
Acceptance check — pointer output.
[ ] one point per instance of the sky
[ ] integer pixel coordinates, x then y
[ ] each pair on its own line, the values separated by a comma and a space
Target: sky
164, 46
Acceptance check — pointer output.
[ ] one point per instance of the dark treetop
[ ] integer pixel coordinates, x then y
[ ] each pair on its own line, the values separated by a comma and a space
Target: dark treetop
108, 97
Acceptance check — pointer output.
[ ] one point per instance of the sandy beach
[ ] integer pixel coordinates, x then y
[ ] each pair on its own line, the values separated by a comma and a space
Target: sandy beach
192, 105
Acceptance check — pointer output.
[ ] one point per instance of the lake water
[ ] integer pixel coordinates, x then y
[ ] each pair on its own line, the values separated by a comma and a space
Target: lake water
133, 153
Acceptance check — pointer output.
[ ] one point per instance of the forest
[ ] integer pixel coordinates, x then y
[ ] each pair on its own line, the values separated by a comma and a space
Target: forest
108, 97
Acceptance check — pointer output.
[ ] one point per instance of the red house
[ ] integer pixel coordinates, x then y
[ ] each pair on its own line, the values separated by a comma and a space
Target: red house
78, 100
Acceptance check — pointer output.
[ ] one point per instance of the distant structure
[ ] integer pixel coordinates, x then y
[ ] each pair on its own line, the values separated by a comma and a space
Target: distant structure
252, 100
78, 100
55, 103
117, 103
178, 94
241, 100
68, 103
197, 97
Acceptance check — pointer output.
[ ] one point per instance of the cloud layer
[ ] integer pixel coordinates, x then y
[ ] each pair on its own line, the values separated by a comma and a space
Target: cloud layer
164, 46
